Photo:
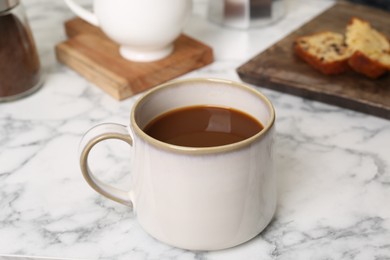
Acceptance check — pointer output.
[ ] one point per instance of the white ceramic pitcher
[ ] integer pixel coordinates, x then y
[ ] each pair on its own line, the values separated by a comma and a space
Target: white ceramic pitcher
145, 29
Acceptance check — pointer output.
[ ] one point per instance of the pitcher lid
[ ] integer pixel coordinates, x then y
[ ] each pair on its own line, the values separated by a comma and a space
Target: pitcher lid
8, 4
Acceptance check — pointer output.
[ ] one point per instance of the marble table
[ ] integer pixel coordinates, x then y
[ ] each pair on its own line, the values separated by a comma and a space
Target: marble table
333, 164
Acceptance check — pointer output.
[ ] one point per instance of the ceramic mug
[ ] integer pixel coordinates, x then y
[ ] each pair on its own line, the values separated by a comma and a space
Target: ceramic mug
195, 198
145, 29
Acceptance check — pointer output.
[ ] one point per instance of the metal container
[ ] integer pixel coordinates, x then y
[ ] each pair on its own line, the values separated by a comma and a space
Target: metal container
244, 14
20, 69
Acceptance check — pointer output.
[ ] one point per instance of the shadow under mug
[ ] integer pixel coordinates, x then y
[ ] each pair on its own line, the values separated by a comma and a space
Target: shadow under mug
205, 198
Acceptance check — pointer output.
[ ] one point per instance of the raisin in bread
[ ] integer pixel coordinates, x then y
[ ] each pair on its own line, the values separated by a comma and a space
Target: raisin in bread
325, 51
370, 49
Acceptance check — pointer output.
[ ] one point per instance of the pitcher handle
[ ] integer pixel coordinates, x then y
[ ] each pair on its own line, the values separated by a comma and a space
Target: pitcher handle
89, 140
83, 13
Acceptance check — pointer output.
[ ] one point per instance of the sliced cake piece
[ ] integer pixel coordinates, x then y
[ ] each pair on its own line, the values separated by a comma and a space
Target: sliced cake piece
370, 49
325, 51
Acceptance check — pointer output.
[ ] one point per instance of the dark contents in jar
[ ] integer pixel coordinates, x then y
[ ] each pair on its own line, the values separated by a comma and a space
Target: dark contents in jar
383, 4
19, 61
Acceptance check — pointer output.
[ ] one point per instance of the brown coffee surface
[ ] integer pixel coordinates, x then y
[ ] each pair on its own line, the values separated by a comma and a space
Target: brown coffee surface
203, 126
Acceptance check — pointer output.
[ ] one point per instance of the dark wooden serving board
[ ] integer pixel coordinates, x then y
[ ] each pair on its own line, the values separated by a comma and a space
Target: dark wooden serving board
279, 69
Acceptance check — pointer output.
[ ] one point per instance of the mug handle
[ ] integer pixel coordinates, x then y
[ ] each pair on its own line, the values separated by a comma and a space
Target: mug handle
90, 139
83, 13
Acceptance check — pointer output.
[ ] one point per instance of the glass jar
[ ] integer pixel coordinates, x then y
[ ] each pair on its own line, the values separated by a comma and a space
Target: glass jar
245, 14
20, 69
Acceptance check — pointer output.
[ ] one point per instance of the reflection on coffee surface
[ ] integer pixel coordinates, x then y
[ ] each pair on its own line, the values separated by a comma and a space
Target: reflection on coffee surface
203, 126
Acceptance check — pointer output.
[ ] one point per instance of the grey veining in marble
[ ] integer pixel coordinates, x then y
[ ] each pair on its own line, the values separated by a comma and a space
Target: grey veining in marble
333, 164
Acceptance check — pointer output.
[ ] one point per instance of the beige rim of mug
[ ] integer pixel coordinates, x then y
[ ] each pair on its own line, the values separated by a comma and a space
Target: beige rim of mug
202, 150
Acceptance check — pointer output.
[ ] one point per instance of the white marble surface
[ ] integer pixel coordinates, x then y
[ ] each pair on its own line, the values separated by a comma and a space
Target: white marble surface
333, 164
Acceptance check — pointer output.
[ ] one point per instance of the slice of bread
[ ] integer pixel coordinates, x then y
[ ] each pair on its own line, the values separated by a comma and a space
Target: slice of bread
370, 49
325, 51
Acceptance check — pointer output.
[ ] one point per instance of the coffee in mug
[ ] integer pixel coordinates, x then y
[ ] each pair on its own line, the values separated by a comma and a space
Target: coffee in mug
198, 194
203, 126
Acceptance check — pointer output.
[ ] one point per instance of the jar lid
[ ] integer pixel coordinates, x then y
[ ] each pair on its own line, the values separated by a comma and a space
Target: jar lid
8, 4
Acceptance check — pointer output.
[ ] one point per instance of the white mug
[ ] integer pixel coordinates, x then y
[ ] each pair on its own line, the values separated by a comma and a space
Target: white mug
205, 198
145, 29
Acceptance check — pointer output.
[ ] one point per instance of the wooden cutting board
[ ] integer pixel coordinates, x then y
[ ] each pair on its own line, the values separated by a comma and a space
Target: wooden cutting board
279, 69
89, 52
